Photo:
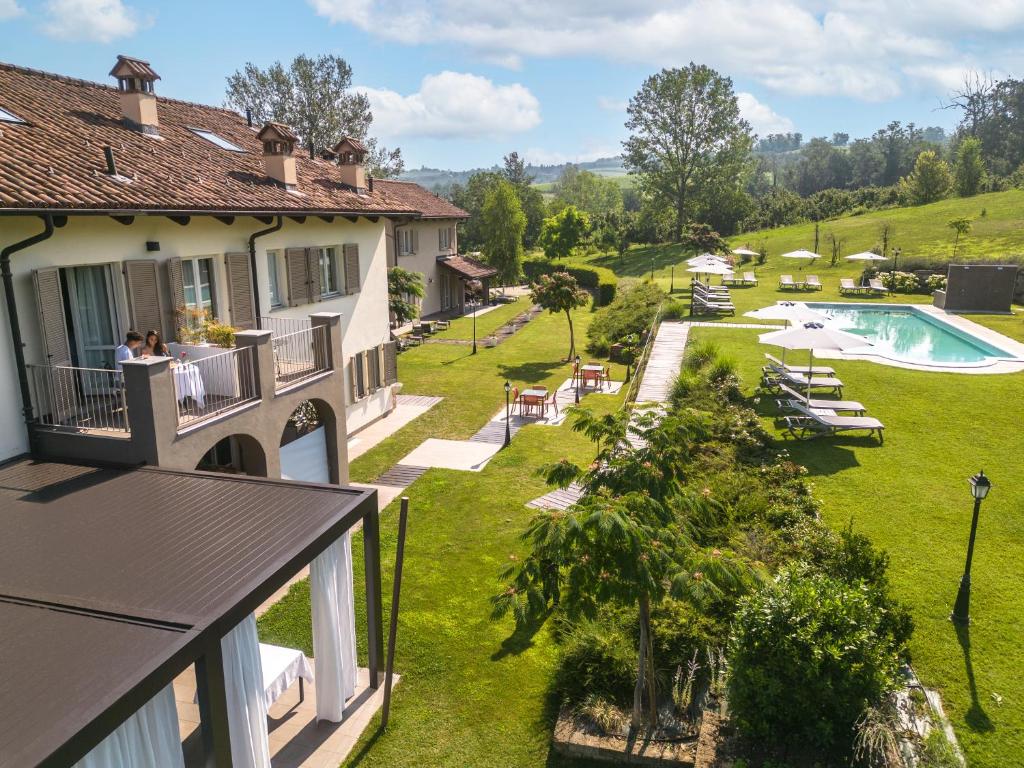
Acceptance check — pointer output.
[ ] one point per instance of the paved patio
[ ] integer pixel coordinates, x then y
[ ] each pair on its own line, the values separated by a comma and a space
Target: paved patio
464, 455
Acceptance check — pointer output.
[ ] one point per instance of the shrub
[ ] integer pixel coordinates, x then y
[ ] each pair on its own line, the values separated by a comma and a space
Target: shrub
605, 715
700, 355
937, 752
631, 313
674, 309
936, 282
901, 282
602, 283
808, 654
599, 659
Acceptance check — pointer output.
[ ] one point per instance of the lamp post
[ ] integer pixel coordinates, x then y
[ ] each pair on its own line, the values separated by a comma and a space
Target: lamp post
980, 486
652, 269
579, 375
508, 431
672, 279
472, 306
895, 261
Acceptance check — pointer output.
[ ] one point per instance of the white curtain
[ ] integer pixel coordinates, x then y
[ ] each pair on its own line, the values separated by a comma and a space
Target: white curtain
247, 705
148, 739
334, 629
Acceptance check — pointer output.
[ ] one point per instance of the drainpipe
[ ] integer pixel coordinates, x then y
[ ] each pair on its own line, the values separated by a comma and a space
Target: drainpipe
252, 265
49, 223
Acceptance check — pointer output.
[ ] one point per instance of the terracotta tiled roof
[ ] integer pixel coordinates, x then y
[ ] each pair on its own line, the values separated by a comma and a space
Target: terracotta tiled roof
55, 161
429, 205
468, 267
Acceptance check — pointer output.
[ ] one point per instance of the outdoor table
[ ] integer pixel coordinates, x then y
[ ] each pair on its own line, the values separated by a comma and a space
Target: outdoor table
281, 668
595, 369
189, 383
533, 397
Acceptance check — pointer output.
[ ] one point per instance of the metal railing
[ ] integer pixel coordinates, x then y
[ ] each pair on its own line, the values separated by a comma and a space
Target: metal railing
281, 326
300, 355
82, 400
211, 385
640, 364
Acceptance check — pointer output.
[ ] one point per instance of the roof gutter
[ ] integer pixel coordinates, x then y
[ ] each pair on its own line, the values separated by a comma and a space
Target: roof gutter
54, 211
49, 222
252, 267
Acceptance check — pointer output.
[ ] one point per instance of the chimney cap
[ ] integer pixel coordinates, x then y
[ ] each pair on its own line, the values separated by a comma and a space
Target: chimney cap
350, 151
277, 132
130, 67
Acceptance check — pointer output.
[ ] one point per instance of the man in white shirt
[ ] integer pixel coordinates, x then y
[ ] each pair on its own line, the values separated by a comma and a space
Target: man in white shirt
132, 341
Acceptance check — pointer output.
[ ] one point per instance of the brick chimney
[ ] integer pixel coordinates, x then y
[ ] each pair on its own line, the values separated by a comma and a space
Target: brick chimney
135, 80
278, 146
351, 155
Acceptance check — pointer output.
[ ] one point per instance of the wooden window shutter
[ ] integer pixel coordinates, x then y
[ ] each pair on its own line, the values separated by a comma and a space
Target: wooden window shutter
440, 239
50, 303
313, 274
297, 276
365, 354
176, 286
243, 314
390, 362
352, 381
415, 240
451, 240
350, 255
144, 303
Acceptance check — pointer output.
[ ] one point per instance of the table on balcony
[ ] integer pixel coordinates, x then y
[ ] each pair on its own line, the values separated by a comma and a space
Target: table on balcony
188, 382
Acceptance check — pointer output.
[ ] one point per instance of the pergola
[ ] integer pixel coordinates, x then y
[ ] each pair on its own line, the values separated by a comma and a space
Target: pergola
467, 269
114, 580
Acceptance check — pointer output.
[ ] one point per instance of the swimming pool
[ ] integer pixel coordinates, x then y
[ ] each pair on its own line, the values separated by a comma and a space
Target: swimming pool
908, 334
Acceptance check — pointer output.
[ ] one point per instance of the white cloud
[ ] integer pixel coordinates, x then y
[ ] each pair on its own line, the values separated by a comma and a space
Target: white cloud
541, 156
100, 21
865, 49
9, 9
612, 105
454, 104
762, 118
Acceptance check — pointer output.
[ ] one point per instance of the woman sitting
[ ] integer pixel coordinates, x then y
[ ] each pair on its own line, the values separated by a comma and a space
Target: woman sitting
155, 346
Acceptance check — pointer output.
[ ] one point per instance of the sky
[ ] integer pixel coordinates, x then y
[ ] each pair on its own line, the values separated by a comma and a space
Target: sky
459, 83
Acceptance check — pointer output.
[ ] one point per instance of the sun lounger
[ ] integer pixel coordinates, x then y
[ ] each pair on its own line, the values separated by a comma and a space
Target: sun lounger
876, 286
786, 281
815, 421
773, 374
846, 285
813, 283
798, 400
749, 278
818, 370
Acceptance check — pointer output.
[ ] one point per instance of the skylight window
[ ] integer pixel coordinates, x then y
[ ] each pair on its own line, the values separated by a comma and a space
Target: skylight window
219, 141
7, 117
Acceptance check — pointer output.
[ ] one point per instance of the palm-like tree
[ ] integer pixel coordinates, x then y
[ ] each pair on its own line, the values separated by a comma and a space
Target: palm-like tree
625, 541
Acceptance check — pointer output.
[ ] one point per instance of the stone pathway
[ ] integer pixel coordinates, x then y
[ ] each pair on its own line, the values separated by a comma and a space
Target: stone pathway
400, 475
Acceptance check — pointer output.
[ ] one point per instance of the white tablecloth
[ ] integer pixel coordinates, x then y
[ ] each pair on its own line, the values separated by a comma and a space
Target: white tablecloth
281, 668
189, 383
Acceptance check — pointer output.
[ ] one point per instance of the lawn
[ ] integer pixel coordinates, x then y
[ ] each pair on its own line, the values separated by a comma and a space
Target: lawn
474, 692
486, 324
911, 496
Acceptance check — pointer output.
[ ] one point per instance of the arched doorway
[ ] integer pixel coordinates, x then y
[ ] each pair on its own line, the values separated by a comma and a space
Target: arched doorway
308, 444
236, 455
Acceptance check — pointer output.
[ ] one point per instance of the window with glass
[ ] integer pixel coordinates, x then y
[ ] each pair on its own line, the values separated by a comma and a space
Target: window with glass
444, 238
405, 243
329, 272
197, 278
272, 278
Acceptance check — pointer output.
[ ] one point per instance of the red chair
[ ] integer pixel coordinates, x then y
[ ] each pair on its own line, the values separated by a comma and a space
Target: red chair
515, 399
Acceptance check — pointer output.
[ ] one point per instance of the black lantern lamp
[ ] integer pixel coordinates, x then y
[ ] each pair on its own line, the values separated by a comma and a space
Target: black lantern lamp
980, 486
508, 431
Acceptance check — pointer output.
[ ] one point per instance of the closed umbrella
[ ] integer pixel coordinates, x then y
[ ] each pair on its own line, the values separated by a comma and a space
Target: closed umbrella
813, 336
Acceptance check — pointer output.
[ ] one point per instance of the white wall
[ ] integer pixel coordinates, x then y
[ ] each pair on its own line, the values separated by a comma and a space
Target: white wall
98, 240
424, 260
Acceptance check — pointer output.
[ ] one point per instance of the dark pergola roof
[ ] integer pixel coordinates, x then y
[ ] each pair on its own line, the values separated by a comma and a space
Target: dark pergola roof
467, 267
113, 580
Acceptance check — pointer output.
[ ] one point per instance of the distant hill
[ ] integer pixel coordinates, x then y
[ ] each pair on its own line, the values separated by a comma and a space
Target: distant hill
436, 178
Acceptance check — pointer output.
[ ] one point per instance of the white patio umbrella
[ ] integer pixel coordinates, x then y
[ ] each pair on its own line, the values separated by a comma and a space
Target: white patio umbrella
801, 254
813, 336
706, 258
865, 256
712, 268
745, 252
793, 312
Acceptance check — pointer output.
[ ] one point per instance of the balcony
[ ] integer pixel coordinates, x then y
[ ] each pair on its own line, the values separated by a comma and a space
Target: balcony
167, 411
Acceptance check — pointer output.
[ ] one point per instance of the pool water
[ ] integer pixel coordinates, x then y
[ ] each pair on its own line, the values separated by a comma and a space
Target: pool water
907, 334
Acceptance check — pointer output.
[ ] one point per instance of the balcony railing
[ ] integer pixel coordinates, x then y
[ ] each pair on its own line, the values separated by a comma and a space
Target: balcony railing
211, 385
80, 400
281, 326
299, 355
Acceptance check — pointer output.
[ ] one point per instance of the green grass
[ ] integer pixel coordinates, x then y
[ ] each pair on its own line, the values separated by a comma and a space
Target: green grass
486, 324
474, 692
920, 231
911, 496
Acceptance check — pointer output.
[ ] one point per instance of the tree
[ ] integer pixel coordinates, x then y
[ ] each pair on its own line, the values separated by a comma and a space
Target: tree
928, 182
969, 168
961, 226
403, 284
563, 232
686, 135
470, 198
314, 96
624, 542
701, 238
530, 198
560, 293
587, 191
504, 224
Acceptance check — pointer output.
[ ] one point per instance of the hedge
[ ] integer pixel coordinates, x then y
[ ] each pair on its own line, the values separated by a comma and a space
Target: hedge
601, 282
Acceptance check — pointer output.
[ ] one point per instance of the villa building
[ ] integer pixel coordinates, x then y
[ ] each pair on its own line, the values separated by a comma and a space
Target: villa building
124, 210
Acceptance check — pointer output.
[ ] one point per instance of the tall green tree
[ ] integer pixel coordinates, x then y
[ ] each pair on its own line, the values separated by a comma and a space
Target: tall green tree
530, 198
403, 285
563, 232
504, 222
969, 169
701, 238
314, 96
560, 293
686, 135
470, 198
930, 180
587, 191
